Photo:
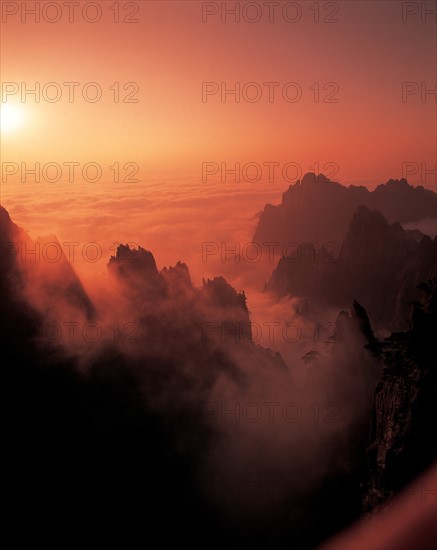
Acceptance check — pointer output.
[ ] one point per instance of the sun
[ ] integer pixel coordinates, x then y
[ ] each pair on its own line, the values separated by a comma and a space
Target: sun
11, 117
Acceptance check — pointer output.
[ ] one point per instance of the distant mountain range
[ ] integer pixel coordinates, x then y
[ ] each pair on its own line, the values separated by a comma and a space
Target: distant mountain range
379, 265
316, 209
347, 243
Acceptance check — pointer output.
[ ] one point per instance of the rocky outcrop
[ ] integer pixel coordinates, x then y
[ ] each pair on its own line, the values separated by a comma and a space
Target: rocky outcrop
357, 322
402, 443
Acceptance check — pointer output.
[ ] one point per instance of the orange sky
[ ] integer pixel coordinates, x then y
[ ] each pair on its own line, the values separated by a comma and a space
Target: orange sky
369, 133
365, 137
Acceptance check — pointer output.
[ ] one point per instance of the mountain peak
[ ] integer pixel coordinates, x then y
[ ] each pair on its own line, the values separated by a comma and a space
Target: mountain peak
310, 178
393, 185
129, 261
126, 254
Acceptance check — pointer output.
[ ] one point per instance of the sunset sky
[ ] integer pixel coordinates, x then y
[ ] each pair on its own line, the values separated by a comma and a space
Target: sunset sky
218, 288
365, 50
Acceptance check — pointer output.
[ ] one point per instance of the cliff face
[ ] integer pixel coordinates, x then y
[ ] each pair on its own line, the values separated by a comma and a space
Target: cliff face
379, 264
401, 444
318, 210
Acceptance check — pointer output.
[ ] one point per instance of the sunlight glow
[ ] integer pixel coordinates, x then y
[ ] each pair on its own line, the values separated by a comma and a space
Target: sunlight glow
11, 117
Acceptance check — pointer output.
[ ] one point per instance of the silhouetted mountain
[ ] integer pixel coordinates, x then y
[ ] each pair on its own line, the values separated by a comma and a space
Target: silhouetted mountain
379, 264
100, 424
41, 270
318, 210
19, 321
118, 423
129, 260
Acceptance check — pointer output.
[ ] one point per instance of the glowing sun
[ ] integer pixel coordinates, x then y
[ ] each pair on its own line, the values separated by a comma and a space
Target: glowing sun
11, 117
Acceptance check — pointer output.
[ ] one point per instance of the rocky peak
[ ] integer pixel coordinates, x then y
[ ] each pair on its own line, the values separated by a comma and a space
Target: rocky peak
130, 259
221, 293
311, 179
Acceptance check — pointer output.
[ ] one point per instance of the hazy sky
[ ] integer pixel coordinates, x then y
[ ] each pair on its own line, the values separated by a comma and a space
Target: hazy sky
364, 49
